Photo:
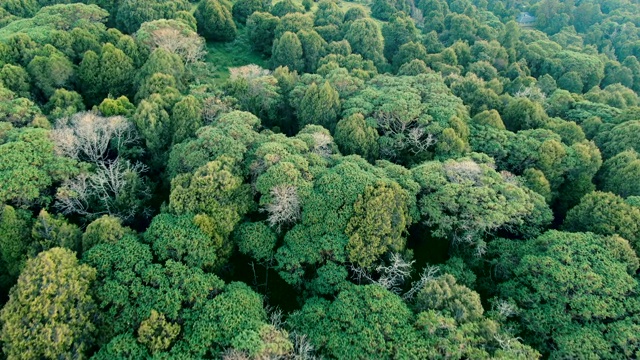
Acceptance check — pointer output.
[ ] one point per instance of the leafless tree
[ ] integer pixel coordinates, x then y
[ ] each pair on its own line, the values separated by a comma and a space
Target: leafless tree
186, 44
406, 132
302, 348
248, 72
419, 140
212, 108
87, 136
428, 274
532, 93
284, 207
322, 144
462, 171
110, 178
390, 277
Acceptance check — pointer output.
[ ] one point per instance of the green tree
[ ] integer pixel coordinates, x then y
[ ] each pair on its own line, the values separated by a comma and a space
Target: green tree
186, 118
398, 31
50, 311
572, 82
242, 9
156, 333
287, 51
116, 71
320, 105
365, 39
89, 78
464, 199
409, 52
50, 71
523, 114
215, 195
618, 139
30, 166
115, 107
605, 214
104, 230
15, 239
64, 103
355, 136
261, 28
16, 79
51, 231
362, 322
313, 48
163, 62
257, 240
154, 124
575, 292
178, 238
282, 8
215, 21
618, 174
380, 219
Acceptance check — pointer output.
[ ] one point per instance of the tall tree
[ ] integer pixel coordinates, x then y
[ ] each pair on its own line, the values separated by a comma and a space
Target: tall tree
365, 39
287, 51
50, 311
320, 105
215, 21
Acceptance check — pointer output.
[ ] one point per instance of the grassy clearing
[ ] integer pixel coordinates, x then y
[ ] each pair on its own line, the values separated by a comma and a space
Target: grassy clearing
232, 54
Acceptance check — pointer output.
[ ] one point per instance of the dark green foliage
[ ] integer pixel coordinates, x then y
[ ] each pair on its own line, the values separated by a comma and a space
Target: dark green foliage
523, 114
398, 31
378, 162
178, 238
320, 106
355, 136
51, 231
619, 138
242, 9
575, 292
50, 71
605, 214
284, 7
618, 174
313, 48
365, 39
64, 103
16, 79
186, 118
287, 51
261, 28
15, 237
29, 166
130, 14
215, 22
363, 322
257, 240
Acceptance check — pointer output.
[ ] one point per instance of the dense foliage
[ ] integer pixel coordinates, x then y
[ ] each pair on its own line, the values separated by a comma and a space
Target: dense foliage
297, 179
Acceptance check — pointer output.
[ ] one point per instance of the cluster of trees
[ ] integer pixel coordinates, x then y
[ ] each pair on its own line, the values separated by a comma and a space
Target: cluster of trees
409, 179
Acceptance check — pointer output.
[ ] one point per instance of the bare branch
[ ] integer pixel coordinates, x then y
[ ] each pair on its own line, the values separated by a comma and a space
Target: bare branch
284, 207
188, 45
79, 195
428, 274
86, 136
